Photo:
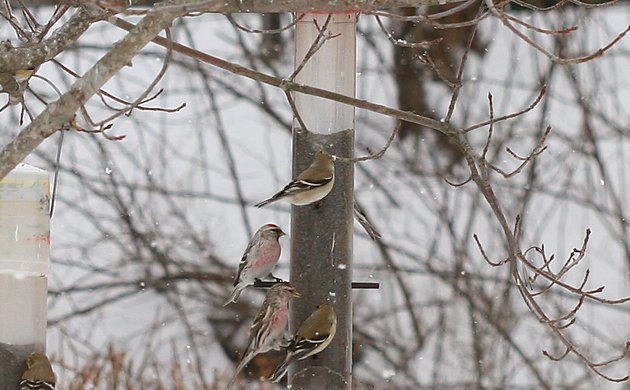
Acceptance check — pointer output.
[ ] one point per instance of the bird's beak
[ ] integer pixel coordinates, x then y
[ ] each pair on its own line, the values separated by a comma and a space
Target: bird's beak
295, 294
281, 234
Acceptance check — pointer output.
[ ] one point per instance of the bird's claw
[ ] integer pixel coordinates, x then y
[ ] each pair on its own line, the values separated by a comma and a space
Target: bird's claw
275, 278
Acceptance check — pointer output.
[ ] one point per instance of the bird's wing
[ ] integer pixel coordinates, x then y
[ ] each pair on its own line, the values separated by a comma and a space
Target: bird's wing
248, 252
260, 327
306, 345
308, 340
300, 185
26, 384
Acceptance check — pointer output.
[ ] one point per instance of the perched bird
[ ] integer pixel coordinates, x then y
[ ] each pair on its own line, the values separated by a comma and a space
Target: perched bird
312, 337
270, 325
38, 374
312, 185
260, 257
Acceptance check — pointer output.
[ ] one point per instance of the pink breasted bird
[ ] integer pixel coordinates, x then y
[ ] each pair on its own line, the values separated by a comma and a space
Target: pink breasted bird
258, 261
269, 328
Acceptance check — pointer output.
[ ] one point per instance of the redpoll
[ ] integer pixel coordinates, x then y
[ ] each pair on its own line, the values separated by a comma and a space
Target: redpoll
260, 257
312, 337
38, 374
312, 185
269, 328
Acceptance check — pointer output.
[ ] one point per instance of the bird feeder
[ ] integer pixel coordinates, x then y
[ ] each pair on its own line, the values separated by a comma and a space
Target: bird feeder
321, 235
24, 264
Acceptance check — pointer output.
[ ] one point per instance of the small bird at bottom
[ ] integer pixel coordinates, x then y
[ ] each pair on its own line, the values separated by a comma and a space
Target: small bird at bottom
38, 374
270, 325
312, 337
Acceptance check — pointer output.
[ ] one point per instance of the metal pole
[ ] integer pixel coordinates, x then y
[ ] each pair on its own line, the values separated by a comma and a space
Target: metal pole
24, 248
321, 235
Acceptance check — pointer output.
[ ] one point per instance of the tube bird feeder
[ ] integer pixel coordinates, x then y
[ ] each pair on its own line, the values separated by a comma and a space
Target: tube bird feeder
24, 264
321, 234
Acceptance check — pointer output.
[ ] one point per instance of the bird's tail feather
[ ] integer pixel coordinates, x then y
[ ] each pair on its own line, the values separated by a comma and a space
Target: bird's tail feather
235, 294
360, 216
243, 363
280, 372
266, 202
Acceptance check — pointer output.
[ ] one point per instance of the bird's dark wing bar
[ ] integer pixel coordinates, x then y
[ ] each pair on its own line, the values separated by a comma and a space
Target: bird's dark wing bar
304, 343
315, 183
36, 385
297, 186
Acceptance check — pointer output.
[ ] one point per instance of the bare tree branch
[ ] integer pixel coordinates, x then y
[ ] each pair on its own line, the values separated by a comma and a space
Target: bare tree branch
60, 114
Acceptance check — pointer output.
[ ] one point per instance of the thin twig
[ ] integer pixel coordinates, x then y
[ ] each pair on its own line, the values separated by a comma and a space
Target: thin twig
373, 156
542, 92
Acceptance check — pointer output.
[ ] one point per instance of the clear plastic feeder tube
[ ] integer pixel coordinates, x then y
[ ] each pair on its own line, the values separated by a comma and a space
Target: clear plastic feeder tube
332, 67
24, 264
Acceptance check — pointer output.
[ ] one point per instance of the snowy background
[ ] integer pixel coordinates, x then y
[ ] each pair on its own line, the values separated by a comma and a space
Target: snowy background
148, 231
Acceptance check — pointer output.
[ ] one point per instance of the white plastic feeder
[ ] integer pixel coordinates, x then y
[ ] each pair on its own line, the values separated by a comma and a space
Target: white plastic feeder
24, 256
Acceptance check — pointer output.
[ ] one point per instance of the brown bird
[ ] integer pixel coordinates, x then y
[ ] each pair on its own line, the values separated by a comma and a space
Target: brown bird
270, 325
38, 374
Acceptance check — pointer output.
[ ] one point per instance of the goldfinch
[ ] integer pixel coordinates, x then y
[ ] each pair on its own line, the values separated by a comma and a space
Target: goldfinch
38, 374
312, 337
312, 185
